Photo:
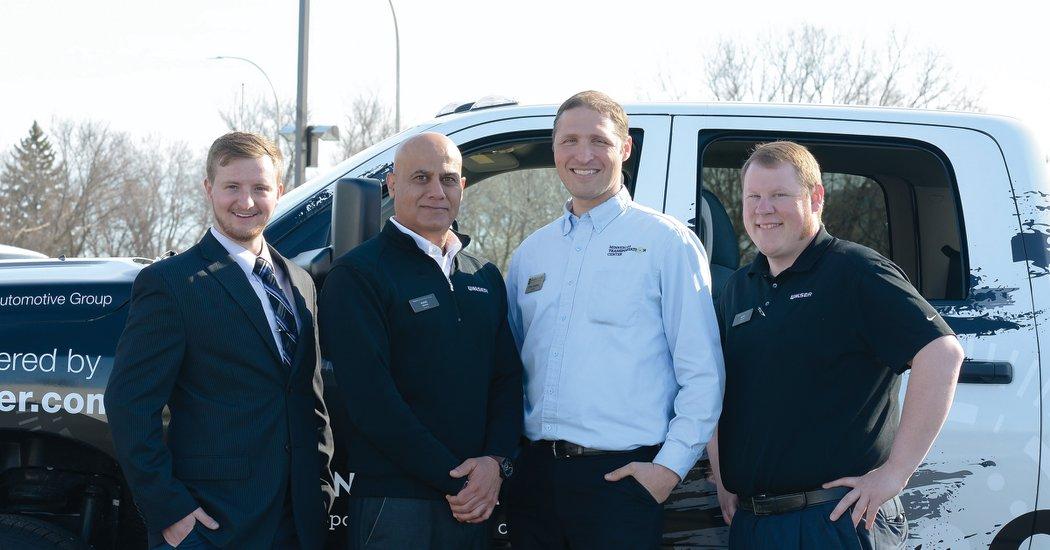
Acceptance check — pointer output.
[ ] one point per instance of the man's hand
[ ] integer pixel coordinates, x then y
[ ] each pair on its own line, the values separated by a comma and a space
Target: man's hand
728, 502
870, 491
658, 480
477, 499
176, 532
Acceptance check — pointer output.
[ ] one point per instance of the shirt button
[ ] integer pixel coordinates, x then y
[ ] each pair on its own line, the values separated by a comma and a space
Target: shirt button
774, 285
546, 427
767, 303
577, 249
571, 281
555, 354
562, 317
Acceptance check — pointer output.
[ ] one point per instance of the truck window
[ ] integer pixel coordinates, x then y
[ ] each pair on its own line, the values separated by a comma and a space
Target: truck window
896, 197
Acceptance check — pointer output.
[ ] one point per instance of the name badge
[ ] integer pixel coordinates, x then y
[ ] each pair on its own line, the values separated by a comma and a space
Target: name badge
535, 283
423, 303
743, 317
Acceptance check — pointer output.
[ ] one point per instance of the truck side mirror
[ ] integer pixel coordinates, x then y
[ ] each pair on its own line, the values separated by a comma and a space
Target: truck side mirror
355, 219
355, 213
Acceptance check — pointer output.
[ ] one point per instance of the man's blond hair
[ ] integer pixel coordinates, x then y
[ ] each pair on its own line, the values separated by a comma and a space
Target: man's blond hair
243, 145
775, 153
600, 103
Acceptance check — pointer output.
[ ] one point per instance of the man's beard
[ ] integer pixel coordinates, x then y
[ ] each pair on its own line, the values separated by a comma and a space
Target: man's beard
237, 234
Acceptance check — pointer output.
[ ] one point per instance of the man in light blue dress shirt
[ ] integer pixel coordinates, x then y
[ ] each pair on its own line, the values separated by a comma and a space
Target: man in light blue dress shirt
611, 309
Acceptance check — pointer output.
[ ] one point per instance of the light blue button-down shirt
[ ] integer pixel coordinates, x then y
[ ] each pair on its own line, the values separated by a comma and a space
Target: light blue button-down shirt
612, 314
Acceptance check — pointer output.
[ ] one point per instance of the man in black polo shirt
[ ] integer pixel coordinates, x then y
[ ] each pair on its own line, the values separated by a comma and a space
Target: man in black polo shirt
816, 332
416, 330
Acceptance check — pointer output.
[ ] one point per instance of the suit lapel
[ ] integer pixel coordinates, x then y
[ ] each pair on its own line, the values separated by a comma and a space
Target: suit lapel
298, 279
231, 277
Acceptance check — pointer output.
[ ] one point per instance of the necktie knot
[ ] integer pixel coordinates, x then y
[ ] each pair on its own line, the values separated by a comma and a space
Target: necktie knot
262, 268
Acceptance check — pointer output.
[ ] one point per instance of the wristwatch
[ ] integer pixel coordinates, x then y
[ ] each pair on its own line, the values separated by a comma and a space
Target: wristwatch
506, 467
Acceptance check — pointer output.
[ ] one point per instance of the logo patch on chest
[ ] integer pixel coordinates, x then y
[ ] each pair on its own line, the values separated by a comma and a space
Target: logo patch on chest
621, 249
478, 289
799, 295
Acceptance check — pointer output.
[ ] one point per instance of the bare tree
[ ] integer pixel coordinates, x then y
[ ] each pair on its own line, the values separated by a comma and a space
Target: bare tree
86, 202
808, 64
110, 196
169, 212
368, 122
502, 210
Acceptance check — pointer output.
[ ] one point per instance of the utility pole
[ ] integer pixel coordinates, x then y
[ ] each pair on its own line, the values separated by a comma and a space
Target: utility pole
397, 71
299, 156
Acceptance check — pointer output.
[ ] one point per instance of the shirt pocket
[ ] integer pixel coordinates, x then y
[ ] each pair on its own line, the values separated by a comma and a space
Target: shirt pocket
615, 297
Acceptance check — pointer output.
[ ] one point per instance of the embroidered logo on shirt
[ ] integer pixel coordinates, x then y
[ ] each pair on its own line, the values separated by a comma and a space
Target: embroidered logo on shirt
478, 289
801, 295
535, 283
620, 249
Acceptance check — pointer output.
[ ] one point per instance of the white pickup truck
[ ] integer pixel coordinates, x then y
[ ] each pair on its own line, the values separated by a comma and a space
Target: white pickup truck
960, 202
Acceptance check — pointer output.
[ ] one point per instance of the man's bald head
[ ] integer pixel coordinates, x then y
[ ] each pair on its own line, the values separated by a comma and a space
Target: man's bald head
427, 185
427, 143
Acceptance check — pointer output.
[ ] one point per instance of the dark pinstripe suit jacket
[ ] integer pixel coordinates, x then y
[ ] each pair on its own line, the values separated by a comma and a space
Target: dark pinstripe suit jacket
242, 424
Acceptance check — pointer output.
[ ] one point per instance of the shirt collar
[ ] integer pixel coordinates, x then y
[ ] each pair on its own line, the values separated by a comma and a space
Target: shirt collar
244, 257
813, 251
601, 215
454, 245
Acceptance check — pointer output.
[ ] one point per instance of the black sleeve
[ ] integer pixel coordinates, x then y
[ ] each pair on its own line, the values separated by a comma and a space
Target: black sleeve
354, 337
505, 409
896, 321
145, 366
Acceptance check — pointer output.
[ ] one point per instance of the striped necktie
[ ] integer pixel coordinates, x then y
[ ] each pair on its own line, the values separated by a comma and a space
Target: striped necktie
282, 312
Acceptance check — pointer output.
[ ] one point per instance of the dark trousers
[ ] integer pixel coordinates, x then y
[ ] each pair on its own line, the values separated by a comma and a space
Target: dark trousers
812, 528
387, 523
567, 503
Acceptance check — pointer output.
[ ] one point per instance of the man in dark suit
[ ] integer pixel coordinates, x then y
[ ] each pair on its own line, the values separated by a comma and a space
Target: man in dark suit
224, 334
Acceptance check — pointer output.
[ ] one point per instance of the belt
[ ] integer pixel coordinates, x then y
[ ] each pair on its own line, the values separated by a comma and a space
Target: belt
764, 505
565, 449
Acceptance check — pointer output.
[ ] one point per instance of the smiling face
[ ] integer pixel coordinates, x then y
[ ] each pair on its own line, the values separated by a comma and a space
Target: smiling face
589, 156
427, 185
243, 194
780, 216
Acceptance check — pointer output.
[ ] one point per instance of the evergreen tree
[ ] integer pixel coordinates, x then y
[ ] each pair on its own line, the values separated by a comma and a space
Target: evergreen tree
28, 180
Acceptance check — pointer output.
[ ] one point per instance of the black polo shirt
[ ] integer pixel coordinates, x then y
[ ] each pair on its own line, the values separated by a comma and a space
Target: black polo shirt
813, 358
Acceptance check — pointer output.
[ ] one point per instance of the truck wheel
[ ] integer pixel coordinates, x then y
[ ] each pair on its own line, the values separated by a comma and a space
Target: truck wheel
22, 532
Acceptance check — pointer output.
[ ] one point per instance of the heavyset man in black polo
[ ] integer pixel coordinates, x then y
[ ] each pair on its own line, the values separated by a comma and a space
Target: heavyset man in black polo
816, 332
416, 329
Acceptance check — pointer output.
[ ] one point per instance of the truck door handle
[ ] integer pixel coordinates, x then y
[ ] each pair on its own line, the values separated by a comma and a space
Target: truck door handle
986, 372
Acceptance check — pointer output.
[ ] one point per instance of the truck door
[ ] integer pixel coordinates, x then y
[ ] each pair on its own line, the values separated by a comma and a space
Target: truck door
937, 201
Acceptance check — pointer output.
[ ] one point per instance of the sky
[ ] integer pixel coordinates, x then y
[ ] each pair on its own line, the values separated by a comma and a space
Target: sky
144, 66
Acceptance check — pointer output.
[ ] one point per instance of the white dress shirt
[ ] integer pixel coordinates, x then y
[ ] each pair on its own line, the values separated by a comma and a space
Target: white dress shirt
444, 258
246, 260
613, 316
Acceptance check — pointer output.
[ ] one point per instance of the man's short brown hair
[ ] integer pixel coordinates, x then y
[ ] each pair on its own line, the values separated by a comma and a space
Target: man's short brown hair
775, 153
243, 145
598, 102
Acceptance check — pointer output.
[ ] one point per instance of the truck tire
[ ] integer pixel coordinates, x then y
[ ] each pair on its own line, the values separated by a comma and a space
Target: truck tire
23, 533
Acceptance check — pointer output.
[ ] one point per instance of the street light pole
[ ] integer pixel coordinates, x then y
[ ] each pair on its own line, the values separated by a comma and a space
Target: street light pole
299, 154
397, 71
276, 103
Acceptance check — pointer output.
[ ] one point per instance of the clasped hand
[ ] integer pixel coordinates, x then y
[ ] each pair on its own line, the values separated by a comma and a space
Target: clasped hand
475, 502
